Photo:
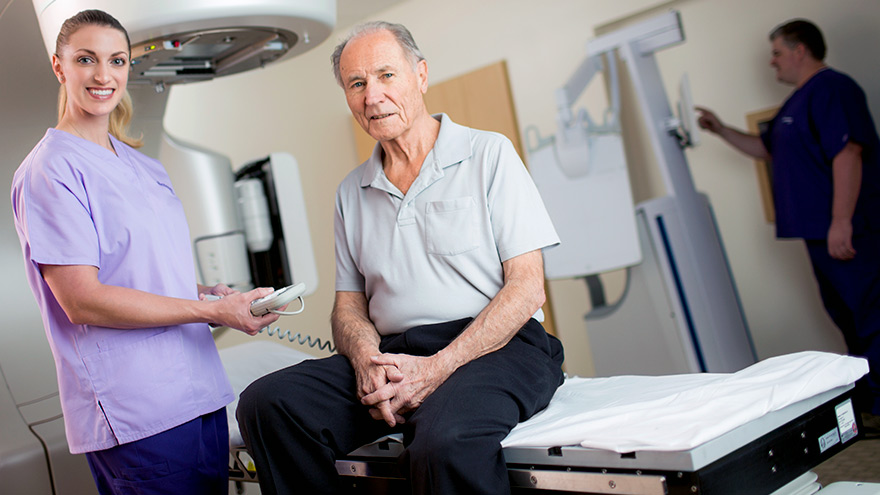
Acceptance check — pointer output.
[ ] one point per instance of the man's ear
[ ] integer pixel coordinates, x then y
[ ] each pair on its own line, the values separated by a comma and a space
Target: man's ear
422, 73
802, 52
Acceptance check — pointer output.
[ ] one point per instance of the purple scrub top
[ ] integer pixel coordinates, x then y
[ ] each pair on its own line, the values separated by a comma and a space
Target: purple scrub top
76, 203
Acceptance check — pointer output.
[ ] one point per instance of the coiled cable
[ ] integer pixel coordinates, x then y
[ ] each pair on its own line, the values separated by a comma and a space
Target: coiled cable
301, 339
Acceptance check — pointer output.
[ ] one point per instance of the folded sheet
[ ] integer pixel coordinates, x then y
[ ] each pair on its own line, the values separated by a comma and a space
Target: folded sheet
679, 412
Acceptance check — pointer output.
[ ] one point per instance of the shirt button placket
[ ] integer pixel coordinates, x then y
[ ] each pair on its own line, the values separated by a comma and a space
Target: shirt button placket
407, 214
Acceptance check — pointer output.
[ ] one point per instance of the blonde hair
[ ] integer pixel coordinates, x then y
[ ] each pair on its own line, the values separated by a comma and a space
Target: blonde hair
121, 116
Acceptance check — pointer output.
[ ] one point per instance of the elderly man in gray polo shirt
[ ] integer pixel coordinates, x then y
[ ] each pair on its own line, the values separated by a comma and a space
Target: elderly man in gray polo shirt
439, 285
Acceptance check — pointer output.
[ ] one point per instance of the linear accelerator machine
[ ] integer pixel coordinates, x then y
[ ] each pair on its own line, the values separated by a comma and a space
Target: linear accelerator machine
243, 232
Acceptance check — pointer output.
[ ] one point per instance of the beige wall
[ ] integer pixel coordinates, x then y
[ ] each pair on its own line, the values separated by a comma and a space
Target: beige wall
296, 107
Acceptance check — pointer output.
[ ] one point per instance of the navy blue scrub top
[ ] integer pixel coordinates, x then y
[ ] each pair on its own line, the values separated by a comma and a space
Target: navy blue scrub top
810, 129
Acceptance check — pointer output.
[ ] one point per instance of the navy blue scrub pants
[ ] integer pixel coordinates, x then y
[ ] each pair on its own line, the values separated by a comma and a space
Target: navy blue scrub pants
851, 295
296, 422
192, 458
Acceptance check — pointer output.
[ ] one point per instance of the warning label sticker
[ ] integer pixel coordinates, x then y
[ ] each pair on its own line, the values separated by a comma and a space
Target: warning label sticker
846, 421
828, 440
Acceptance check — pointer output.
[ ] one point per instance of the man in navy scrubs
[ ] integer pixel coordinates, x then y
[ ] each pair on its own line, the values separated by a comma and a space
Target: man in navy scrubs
824, 148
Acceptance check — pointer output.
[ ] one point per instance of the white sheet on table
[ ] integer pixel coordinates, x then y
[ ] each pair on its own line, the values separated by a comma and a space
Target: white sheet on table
678, 412
245, 363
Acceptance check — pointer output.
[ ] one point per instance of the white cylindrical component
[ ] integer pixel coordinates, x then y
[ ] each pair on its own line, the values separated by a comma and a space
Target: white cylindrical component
308, 22
203, 181
254, 210
223, 259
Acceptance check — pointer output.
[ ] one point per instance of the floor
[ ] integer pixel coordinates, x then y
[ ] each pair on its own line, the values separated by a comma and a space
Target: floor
859, 462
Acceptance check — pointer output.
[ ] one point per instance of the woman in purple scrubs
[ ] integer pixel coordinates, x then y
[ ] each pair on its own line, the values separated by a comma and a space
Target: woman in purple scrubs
108, 258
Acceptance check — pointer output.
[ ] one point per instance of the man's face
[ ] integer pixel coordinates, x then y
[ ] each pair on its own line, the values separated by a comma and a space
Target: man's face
383, 89
785, 60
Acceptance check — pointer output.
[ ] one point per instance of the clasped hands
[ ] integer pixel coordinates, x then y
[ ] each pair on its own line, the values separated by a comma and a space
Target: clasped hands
392, 385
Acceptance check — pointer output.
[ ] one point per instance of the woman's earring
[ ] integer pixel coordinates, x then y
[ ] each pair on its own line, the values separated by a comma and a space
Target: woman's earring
62, 79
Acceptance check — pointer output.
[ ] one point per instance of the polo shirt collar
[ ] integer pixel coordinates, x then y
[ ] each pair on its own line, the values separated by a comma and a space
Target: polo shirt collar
453, 146
453, 142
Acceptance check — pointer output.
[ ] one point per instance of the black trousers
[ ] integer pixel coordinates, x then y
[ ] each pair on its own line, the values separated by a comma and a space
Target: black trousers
296, 422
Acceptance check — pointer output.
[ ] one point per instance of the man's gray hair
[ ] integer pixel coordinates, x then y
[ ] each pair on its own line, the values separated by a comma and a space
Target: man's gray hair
400, 32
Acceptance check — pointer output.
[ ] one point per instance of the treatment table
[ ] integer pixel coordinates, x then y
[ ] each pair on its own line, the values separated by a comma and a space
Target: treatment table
756, 431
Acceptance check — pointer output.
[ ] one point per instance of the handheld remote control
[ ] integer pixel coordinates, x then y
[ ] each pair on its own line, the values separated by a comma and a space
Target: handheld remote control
277, 299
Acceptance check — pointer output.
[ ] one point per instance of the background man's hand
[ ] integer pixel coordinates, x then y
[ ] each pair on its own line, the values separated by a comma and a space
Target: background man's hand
840, 240
709, 121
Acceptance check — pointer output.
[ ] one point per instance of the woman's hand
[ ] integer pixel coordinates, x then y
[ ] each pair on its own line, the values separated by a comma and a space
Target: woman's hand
233, 309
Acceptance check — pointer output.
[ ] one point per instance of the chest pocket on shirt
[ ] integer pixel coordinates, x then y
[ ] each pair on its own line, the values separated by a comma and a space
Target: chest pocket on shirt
451, 226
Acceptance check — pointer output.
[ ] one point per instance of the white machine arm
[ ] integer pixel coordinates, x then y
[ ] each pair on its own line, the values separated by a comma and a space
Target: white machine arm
647, 37
574, 131
680, 311
568, 94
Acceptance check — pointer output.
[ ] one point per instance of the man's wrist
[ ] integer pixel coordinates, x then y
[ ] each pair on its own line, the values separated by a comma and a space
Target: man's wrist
446, 362
360, 352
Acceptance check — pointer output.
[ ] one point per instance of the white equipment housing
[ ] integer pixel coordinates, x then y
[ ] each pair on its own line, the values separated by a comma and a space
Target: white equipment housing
244, 232
173, 41
177, 41
680, 312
